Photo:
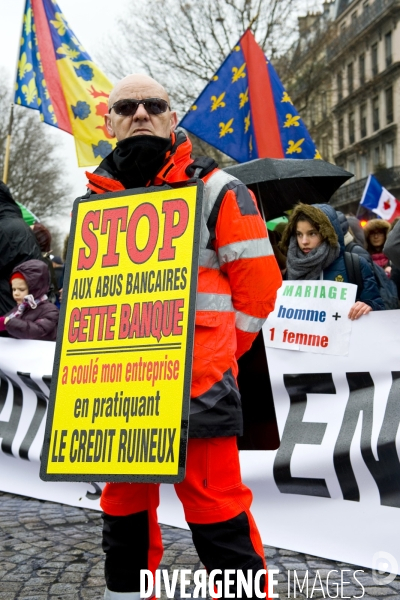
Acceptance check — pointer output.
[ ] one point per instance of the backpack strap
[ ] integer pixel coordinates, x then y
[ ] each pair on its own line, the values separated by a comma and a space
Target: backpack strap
350, 246
353, 268
201, 166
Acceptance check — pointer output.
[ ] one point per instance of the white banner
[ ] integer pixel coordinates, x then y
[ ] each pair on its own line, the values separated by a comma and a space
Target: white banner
332, 489
25, 373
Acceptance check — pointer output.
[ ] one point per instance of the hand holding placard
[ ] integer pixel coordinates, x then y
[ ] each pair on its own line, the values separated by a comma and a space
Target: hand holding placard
311, 316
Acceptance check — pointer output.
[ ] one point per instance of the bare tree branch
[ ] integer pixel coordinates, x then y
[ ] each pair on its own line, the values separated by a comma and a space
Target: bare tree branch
183, 42
35, 177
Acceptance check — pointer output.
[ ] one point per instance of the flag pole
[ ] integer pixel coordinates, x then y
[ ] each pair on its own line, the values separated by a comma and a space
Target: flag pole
254, 19
11, 118
8, 144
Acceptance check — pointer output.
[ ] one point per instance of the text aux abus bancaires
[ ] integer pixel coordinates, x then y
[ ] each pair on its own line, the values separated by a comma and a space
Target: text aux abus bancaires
153, 318
109, 444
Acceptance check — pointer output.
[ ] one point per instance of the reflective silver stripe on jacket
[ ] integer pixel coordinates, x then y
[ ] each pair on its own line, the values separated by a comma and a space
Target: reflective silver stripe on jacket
208, 259
245, 249
212, 189
217, 302
247, 323
211, 192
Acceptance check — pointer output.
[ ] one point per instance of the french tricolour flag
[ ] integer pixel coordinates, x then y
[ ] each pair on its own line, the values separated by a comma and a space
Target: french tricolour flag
379, 200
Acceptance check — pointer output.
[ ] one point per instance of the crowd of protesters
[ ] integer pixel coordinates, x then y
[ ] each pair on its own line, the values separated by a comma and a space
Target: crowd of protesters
317, 242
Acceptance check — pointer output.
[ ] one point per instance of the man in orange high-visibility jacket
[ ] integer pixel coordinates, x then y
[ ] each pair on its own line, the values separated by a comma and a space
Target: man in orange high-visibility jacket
237, 284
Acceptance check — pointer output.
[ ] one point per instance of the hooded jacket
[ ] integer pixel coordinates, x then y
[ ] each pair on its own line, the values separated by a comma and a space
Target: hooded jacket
38, 323
17, 244
383, 226
331, 231
237, 284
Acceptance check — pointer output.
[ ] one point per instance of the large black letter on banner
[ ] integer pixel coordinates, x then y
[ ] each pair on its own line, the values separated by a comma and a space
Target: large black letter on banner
298, 432
385, 470
40, 412
8, 429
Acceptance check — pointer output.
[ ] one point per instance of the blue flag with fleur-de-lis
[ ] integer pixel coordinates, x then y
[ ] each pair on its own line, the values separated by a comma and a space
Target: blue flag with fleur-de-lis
245, 112
56, 76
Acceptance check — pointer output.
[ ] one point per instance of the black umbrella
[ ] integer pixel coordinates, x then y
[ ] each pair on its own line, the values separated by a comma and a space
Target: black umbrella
279, 183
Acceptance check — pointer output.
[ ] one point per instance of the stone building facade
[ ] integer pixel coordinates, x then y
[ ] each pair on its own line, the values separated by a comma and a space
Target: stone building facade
352, 103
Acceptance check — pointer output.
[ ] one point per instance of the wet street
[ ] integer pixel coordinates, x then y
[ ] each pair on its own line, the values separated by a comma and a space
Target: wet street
52, 551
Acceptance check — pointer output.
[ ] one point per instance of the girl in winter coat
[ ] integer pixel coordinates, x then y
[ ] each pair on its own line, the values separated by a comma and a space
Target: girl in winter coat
314, 243
34, 317
376, 232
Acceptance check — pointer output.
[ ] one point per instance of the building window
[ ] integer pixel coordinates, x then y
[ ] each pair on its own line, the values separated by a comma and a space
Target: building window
375, 113
361, 68
350, 77
374, 59
388, 48
363, 120
353, 17
389, 105
341, 133
376, 156
366, 5
325, 148
389, 155
312, 114
324, 105
351, 165
351, 128
339, 86
364, 165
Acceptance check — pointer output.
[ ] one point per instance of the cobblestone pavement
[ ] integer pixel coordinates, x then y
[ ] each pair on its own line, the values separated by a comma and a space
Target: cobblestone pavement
52, 551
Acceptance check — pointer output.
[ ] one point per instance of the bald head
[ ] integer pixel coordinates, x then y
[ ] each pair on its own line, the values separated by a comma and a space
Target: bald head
137, 81
139, 87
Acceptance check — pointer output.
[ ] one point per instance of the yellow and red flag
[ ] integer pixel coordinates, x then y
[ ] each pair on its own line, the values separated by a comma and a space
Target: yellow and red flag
56, 76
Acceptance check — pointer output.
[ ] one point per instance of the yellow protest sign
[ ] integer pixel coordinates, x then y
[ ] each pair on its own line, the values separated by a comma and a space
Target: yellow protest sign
119, 401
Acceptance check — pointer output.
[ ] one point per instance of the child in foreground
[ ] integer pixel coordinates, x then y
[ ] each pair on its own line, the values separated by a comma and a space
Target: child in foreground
34, 317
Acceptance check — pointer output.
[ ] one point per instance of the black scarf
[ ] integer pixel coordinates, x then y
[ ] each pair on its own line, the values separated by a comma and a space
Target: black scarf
138, 159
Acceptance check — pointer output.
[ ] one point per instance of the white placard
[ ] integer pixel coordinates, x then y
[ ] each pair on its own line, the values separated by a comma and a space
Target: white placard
311, 316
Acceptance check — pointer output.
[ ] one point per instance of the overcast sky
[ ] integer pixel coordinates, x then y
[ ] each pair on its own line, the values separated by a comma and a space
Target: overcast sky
91, 21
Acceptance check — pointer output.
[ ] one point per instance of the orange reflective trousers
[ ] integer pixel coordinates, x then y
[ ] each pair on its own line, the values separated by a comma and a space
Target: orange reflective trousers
216, 505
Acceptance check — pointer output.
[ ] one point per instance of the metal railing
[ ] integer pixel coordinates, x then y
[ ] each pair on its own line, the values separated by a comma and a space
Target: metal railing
348, 193
389, 178
368, 16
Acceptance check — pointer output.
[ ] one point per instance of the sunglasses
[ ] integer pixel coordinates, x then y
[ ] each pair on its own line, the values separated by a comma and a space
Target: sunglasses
128, 107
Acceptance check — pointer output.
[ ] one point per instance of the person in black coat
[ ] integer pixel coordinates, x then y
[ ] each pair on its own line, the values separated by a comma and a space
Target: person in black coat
17, 245
392, 251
